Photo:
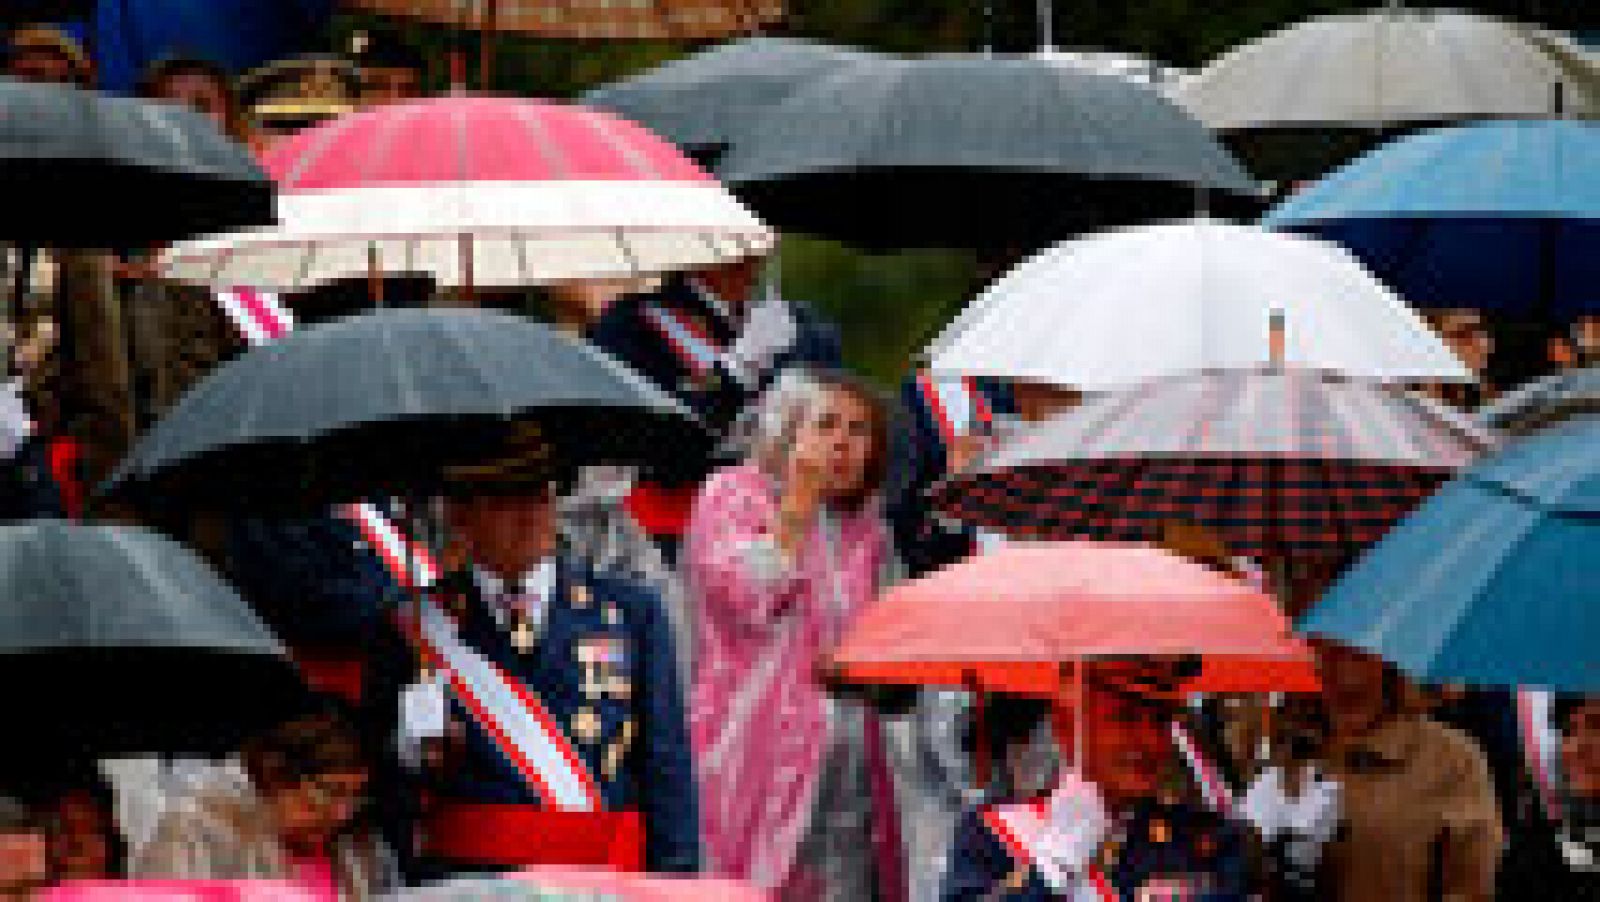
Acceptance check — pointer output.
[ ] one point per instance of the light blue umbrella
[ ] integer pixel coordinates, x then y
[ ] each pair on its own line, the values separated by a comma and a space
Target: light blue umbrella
1498, 216
1495, 580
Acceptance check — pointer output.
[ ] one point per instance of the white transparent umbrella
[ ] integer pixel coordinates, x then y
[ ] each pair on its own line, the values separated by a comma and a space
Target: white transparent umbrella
1119, 308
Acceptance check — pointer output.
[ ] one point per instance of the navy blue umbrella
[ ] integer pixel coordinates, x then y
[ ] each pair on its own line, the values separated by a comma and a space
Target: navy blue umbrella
1498, 216
1495, 580
125, 36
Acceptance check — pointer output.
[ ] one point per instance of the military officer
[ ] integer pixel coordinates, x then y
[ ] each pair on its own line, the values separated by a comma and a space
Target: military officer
1117, 834
541, 708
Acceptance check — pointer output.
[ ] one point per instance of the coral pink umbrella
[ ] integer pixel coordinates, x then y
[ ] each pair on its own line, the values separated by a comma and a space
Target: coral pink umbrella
1018, 618
477, 190
184, 891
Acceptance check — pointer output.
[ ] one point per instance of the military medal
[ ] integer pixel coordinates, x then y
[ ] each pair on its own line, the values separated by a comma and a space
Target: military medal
617, 749
619, 686
522, 638
1160, 831
580, 596
585, 725
613, 616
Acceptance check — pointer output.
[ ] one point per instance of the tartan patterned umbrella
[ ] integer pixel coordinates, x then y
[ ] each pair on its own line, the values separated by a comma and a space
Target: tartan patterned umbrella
592, 19
1279, 462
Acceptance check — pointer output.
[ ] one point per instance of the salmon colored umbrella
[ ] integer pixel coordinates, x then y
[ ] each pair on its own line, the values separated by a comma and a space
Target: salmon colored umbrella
1011, 620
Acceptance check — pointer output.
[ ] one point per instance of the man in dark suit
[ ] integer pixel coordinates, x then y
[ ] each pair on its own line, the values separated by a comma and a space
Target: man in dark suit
539, 704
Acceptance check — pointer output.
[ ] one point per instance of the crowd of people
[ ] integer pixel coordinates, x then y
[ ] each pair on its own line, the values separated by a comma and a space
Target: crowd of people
623, 673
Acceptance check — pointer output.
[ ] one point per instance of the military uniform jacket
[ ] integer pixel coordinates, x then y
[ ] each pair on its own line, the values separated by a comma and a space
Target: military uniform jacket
1154, 843
921, 458
634, 330
625, 718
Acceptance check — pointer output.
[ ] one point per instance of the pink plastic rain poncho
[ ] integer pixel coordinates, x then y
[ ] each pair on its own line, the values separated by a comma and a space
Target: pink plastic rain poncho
762, 727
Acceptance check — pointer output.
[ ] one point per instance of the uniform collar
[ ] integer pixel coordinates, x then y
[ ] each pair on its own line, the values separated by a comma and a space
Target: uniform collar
718, 305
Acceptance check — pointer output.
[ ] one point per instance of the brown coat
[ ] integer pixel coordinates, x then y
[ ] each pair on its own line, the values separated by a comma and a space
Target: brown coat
226, 835
1420, 816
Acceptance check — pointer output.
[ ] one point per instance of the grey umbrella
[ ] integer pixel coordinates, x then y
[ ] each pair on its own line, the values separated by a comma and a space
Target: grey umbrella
703, 102
383, 403
83, 169
966, 150
121, 639
1547, 401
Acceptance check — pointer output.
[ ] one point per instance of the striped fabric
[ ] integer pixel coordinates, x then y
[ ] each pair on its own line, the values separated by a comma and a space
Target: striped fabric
594, 19
1277, 462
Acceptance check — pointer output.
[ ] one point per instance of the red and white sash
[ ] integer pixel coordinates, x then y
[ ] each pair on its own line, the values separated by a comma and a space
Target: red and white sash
1540, 746
689, 341
956, 405
1021, 828
507, 711
1213, 788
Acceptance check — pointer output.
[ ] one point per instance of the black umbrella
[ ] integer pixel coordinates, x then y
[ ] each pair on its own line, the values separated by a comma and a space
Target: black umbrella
83, 169
703, 102
382, 403
115, 638
971, 151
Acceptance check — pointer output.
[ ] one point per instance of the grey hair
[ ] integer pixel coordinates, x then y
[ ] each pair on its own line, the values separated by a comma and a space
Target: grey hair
796, 395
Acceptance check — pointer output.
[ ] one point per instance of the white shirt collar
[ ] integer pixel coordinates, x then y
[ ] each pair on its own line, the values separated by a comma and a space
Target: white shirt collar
538, 581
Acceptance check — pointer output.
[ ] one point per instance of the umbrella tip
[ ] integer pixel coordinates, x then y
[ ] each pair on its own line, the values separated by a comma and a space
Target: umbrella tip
1275, 338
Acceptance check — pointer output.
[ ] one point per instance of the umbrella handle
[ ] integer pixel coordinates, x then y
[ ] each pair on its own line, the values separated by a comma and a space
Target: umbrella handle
981, 753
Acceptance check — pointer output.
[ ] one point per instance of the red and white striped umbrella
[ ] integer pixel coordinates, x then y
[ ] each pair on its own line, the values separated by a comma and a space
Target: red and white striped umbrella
478, 191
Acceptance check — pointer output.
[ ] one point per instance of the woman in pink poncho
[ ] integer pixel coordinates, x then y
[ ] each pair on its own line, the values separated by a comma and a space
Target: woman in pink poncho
781, 552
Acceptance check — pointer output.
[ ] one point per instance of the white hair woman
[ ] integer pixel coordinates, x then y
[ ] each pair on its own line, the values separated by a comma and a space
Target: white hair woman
781, 552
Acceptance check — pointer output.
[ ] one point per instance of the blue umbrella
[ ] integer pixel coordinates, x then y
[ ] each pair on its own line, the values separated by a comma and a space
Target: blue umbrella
1495, 580
125, 36
1497, 216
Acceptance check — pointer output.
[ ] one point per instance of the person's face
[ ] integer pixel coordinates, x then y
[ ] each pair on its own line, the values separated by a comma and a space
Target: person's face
198, 91
1580, 750
80, 843
1352, 686
838, 438
733, 282
387, 85
1469, 337
506, 534
318, 807
24, 865
42, 65
1126, 744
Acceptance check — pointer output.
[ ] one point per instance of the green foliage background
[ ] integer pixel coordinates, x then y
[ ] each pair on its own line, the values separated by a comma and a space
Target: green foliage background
888, 305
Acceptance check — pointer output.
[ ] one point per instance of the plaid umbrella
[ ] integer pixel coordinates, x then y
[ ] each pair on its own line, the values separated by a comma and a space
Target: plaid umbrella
1280, 462
592, 19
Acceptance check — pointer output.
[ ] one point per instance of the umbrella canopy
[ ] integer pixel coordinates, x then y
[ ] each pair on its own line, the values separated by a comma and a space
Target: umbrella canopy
126, 36
1277, 462
171, 165
1306, 98
968, 150
592, 19
1009, 619
479, 191
1133, 67
705, 101
572, 883
142, 646
381, 404
1499, 216
1119, 308
1546, 401
1391, 66
1494, 580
